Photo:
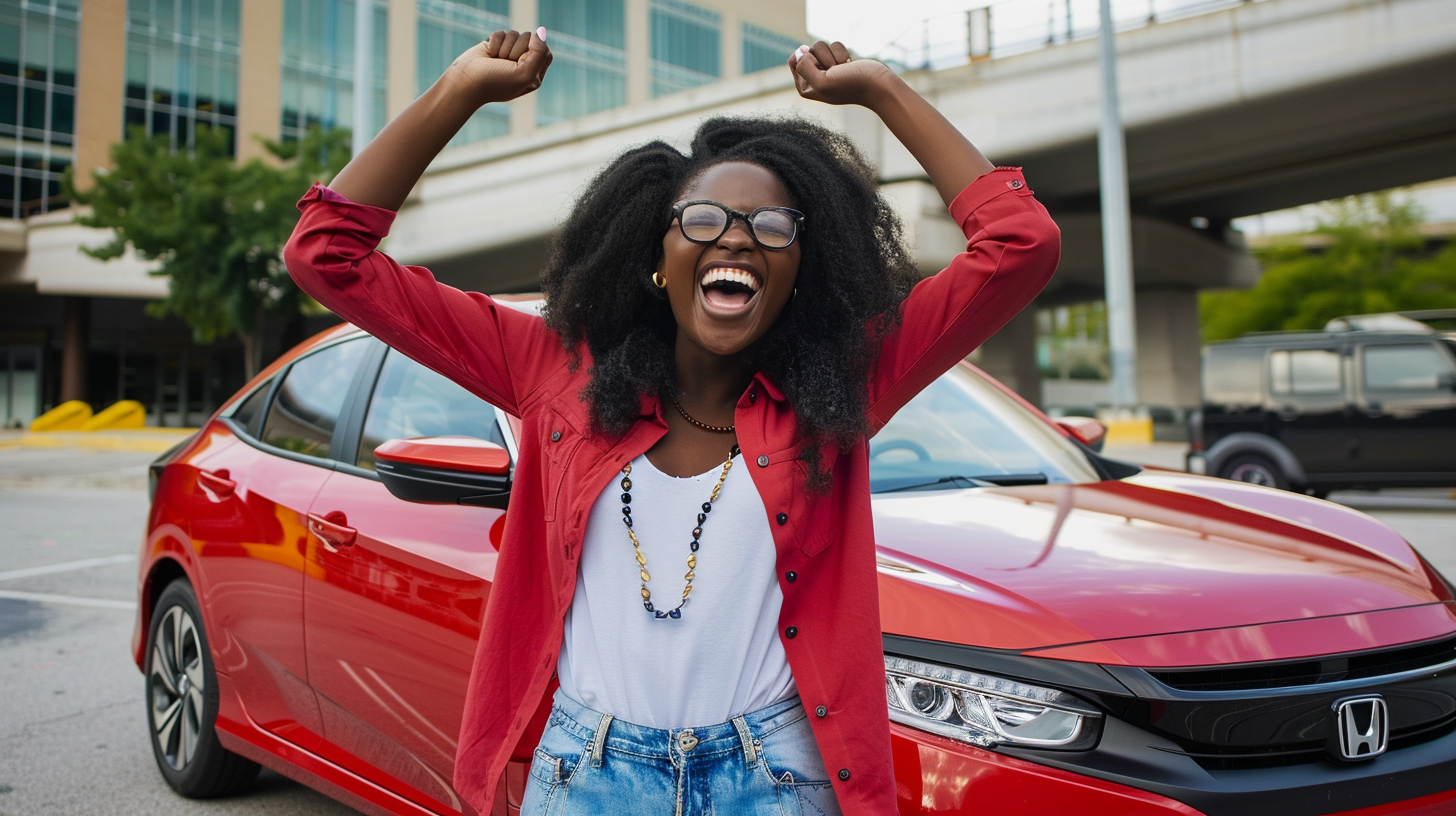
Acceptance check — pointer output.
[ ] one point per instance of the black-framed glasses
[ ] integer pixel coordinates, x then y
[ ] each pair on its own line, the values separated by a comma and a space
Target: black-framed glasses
704, 222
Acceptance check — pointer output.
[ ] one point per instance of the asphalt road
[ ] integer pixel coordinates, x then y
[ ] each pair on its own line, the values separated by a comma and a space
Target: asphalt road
73, 731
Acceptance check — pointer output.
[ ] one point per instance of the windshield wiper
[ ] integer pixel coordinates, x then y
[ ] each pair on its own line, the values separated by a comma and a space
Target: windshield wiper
980, 480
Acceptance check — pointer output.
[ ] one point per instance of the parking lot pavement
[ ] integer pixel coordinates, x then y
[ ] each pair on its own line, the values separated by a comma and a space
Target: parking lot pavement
73, 730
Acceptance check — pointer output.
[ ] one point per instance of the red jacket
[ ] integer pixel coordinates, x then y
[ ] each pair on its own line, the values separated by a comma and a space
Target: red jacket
829, 624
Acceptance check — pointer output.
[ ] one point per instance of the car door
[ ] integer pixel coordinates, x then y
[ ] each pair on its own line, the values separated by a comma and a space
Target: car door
396, 593
1308, 399
248, 491
1409, 407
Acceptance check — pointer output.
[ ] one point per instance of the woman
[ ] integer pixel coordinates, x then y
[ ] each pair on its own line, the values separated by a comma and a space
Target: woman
723, 332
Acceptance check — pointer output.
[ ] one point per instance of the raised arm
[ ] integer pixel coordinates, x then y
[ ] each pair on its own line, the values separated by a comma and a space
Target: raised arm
506, 66
824, 73
1012, 245
496, 352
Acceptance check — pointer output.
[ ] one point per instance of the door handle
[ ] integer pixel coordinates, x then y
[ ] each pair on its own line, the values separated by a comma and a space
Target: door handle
219, 483
333, 528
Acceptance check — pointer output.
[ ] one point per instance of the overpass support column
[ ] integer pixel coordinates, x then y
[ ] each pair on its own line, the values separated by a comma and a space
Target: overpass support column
1168, 353
1010, 356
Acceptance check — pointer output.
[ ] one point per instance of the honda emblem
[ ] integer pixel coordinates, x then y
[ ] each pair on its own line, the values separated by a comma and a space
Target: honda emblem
1362, 728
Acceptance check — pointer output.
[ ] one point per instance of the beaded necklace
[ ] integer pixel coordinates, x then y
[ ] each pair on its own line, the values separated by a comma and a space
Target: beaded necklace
692, 546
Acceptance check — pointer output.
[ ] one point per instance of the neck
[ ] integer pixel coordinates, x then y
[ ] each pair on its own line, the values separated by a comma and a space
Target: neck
709, 385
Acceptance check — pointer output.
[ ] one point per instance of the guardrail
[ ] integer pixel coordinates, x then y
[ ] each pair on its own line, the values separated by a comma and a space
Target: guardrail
1009, 27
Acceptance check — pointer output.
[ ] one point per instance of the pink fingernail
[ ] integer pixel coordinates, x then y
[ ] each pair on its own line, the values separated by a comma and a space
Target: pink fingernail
541, 33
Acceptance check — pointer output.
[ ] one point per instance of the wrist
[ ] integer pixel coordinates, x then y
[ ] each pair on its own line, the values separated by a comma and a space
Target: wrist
886, 92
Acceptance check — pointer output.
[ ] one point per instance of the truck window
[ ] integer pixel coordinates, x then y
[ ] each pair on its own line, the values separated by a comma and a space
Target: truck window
1305, 371
1231, 376
1417, 367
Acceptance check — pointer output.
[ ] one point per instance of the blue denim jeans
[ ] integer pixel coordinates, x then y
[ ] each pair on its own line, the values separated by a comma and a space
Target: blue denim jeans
763, 763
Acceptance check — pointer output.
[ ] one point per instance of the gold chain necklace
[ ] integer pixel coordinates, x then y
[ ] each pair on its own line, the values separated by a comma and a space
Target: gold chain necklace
705, 426
693, 547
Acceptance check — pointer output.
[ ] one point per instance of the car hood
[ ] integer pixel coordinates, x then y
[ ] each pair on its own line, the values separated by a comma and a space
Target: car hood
1131, 561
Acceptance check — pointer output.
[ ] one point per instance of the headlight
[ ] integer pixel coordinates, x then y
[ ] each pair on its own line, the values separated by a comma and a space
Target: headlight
985, 710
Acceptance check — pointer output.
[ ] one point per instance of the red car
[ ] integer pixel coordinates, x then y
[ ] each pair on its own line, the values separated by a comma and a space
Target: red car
1063, 633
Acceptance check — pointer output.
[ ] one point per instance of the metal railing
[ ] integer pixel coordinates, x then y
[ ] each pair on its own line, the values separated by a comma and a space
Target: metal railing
1006, 27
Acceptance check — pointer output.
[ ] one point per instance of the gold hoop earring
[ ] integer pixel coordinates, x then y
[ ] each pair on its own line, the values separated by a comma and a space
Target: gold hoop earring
659, 280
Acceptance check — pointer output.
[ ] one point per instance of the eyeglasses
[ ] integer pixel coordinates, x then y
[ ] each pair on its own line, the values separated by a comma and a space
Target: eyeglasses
704, 222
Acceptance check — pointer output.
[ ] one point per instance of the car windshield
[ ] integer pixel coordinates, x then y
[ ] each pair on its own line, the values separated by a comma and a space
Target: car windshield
961, 431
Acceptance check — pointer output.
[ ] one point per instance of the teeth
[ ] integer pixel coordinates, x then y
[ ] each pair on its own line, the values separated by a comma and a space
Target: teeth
735, 275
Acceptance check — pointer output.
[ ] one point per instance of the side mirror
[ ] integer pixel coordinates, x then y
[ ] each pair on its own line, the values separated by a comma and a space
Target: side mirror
1086, 430
445, 470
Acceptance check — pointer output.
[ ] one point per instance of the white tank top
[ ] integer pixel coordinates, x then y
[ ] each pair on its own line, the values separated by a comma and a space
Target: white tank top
723, 657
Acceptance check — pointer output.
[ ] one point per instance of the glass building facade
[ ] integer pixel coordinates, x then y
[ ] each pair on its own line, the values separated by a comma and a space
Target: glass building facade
446, 28
318, 66
182, 67
37, 102
589, 68
686, 46
764, 49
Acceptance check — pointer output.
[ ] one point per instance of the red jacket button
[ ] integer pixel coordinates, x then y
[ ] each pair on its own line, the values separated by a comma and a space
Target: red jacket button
791, 632
843, 773
821, 711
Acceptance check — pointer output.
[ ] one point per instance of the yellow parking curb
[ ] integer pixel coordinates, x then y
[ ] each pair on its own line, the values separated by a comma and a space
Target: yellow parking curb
142, 440
1132, 431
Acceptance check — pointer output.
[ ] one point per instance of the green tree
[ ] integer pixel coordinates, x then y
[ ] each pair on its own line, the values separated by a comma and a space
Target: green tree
1374, 261
217, 227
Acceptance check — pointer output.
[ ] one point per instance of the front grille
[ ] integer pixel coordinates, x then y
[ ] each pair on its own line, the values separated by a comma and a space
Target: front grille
1311, 672
1213, 758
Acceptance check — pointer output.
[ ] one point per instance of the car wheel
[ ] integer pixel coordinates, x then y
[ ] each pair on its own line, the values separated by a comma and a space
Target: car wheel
1254, 469
182, 702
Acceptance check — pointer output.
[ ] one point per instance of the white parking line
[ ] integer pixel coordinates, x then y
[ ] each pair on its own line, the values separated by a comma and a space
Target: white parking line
72, 600
67, 566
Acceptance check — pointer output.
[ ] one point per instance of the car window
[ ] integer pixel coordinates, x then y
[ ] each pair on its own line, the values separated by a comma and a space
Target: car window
248, 411
1305, 371
1404, 368
962, 426
1231, 376
306, 408
411, 400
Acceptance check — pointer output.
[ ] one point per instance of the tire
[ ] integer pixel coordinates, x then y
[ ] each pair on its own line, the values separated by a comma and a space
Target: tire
181, 694
1254, 469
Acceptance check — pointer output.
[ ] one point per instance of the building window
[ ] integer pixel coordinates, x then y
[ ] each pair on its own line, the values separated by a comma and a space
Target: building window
37, 102
182, 67
318, 66
686, 47
764, 49
444, 31
589, 69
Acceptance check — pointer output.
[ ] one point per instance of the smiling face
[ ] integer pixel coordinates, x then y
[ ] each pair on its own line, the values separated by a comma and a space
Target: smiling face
726, 294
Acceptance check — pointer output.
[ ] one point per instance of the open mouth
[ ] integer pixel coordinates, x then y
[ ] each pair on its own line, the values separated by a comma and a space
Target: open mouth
729, 288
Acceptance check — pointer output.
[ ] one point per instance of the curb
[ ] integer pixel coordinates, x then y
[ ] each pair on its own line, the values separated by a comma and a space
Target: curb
151, 440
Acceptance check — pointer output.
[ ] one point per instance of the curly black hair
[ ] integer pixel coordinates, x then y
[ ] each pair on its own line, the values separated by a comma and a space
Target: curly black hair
854, 271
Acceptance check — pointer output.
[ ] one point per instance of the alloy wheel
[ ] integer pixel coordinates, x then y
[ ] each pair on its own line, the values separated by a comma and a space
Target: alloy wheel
177, 682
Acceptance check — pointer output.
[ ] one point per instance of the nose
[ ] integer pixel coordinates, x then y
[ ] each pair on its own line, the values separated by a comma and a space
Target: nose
738, 235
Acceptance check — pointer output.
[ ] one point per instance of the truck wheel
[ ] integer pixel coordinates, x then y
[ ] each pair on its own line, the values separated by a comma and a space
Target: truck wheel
1254, 469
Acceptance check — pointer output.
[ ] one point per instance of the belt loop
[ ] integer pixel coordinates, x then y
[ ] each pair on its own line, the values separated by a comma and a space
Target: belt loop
599, 740
749, 755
